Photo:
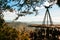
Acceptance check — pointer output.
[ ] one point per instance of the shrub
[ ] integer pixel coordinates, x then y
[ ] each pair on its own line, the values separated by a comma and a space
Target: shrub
9, 33
25, 36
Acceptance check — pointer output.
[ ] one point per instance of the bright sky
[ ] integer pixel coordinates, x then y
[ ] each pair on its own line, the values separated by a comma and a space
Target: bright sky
54, 11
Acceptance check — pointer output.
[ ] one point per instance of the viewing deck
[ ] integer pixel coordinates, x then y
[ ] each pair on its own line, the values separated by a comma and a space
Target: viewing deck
45, 26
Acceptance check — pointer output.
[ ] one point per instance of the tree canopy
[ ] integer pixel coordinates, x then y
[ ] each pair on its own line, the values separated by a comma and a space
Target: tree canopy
27, 4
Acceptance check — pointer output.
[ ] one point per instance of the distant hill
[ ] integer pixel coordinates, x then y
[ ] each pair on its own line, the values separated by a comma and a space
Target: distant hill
20, 25
15, 24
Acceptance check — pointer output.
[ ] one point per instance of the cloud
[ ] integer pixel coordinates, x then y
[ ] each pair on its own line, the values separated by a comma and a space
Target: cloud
29, 19
9, 15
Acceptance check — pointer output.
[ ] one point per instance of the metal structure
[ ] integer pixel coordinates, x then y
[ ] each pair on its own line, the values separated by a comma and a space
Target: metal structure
47, 14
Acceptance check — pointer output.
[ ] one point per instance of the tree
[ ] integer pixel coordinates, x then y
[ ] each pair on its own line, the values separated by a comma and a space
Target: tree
58, 3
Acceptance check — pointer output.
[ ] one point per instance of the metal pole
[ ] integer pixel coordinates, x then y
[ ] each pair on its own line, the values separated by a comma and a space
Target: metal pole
44, 18
51, 23
47, 17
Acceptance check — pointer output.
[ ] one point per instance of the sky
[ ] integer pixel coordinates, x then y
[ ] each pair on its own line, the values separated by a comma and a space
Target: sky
54, 11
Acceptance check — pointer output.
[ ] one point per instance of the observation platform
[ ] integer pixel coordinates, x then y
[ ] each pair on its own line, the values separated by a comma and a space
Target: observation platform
45, 26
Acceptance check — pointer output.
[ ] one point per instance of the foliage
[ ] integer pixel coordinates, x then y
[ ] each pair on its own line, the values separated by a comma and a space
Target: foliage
58, 3
25, 36
8, 33
27, 4
4, 4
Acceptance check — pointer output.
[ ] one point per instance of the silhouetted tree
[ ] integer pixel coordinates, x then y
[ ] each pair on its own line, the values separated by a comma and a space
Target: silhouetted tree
58, 3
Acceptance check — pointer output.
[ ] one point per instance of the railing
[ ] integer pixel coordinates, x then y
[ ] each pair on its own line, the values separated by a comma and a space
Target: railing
45, 34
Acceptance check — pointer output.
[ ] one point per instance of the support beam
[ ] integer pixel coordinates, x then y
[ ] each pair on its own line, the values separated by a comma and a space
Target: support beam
47, 15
